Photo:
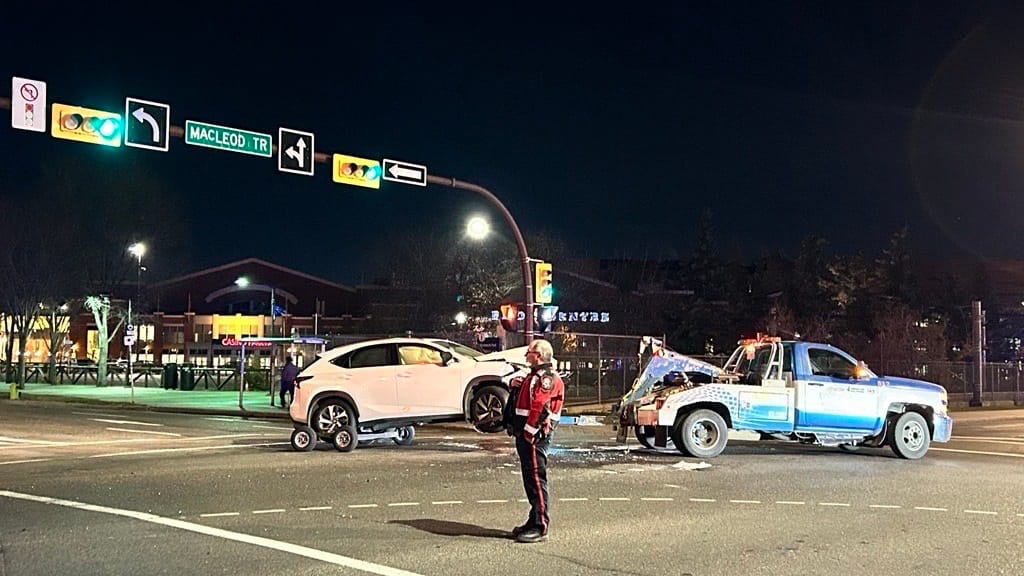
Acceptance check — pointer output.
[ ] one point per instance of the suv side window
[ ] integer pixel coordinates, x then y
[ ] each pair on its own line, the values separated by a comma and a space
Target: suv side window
412, 354
365, 358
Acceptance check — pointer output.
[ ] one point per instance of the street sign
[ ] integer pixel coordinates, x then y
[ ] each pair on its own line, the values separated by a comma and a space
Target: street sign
129, 330
146, 124
355, 171
405, 172
129, 340
295, 151
28, 104
230, 139
85, 125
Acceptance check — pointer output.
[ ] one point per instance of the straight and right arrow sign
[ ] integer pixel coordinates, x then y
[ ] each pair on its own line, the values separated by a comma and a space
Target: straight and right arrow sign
405, 172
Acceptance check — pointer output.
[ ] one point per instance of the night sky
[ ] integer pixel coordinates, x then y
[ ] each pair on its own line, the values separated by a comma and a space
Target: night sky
611, 128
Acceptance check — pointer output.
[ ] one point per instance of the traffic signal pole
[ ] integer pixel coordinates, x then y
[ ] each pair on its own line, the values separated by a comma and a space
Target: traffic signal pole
325, 158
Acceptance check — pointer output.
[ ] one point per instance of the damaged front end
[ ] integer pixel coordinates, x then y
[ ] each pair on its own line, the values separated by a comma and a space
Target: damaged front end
665, 373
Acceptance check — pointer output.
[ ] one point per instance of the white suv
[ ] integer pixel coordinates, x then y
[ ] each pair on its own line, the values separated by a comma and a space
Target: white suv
380, 388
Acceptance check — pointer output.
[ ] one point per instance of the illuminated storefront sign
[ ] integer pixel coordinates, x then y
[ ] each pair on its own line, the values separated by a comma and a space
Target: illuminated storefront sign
570, 316
232, 341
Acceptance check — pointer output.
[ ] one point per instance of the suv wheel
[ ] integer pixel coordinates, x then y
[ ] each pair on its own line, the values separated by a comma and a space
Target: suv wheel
485, 411
331, 416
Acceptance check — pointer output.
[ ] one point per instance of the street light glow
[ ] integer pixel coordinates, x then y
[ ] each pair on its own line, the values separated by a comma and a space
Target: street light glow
242, 281
477, 228
137, 250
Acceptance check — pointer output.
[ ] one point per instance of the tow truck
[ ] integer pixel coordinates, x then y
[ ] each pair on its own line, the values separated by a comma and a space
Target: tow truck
797, 391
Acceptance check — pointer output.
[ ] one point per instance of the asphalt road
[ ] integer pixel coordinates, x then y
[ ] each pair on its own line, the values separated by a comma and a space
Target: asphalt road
90, 490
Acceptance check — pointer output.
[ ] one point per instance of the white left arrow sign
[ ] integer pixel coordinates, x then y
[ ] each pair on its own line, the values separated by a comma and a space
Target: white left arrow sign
141, 115
146, 124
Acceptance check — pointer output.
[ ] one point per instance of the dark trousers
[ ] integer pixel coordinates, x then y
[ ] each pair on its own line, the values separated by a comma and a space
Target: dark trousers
290, 390
533, 461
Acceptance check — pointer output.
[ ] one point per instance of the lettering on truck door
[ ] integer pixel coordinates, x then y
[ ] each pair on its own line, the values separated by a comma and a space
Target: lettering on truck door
831, 397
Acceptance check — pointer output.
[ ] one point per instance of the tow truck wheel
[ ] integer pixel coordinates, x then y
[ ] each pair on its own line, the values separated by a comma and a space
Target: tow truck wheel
910, 438
303, 439
647, 440
701, 433
405, 435
346, 439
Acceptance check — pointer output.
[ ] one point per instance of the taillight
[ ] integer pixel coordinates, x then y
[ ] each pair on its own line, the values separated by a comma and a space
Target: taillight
300, 379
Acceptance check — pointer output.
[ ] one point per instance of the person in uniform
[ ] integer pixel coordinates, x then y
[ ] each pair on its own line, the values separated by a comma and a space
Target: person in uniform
536, 402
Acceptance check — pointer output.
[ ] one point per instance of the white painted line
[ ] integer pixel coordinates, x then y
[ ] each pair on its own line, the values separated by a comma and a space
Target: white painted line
572, 499
27, 441
987, 512
522, 500
144, 432
930, 509
1010, 438
446, 502
26, 461
891, 506
615, 499
491, 501
979, 452
1021, 515
222, 436
362, 505
839, 504
702, 500
790, 502
132, 422
656, 499
222, 419
304, 551
270, 511
218, 514
282, 428
309, 508
672, 485
395, 504
745, 501
196, 449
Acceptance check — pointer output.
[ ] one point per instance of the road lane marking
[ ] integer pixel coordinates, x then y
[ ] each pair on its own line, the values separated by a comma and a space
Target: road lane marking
745, 501
281, 428
979, 452
308, 508
196, 449
614, 499
27, 441
26, 461
144, 432
446, 502
702, 500
653, 499
931, 509
835, 504
218, 514
362, 505
572, 499
790, 502
304, 551
270, 511
987, 512
397, 504
134, 422
889, 506
491, 501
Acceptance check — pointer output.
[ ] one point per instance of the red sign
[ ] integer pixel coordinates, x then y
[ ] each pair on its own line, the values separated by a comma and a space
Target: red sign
232, 341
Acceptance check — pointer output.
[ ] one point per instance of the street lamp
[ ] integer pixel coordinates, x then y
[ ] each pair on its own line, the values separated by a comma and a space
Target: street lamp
477, 228
243, 282
137, 250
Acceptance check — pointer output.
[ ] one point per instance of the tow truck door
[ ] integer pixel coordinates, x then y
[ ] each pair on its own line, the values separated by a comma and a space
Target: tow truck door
831, 397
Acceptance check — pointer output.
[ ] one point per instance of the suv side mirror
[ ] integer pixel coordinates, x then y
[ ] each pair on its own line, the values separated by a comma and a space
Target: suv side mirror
446, 357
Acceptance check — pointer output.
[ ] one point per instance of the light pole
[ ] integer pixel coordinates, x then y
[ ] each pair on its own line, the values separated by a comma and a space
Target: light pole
137, 249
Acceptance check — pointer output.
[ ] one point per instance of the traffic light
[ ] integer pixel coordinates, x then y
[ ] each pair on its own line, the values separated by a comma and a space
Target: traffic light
356, 171
544, 291
510, 317
86, 125
545, 316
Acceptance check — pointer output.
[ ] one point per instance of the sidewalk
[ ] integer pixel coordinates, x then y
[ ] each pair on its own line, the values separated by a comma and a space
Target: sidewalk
253, 403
